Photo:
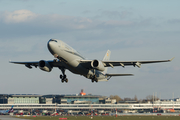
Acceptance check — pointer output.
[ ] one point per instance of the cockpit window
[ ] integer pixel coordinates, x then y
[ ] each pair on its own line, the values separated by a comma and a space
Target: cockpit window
53, 40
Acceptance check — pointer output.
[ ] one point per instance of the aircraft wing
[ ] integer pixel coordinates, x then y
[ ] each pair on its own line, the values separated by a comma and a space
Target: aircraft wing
26, 63
53, 63
123, 63
134, 63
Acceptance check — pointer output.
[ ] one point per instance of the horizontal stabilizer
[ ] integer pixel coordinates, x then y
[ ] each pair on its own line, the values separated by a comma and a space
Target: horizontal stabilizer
171, 59
119, 75
102, 80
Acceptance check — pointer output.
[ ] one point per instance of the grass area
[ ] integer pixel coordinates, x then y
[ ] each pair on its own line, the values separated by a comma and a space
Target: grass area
105, 117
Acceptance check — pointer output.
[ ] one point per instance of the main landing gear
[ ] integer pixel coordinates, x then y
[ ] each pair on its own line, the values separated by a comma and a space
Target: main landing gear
94, 79
63, 76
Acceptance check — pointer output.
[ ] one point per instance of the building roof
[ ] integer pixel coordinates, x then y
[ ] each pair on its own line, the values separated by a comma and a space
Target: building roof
72, 95
24, 95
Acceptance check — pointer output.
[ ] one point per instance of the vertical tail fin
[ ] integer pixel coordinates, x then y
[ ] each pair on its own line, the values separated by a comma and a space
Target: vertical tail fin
11, 110
106, 58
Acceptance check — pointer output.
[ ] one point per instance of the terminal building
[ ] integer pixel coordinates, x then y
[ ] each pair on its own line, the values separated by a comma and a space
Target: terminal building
81, 98
80, 102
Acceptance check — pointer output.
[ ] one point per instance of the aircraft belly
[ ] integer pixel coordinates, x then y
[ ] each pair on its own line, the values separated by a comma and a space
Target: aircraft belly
76, 68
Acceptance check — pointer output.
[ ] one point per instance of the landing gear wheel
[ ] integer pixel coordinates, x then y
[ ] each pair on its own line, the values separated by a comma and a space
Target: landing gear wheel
92, 80
62, 80
61, 76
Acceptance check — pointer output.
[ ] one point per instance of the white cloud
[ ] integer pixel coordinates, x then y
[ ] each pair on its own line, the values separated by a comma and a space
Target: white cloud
31, 23
21, 23
18, 16
24, 16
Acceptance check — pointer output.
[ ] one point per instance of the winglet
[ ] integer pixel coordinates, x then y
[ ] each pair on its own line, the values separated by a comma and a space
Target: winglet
171, 59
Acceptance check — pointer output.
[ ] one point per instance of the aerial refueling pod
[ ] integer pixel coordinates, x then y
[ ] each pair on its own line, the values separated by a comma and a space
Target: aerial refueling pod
28, 66
45, 66
96, 64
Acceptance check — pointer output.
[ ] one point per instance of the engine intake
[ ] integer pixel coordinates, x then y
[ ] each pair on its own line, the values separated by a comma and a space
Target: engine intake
45, 66
97, 65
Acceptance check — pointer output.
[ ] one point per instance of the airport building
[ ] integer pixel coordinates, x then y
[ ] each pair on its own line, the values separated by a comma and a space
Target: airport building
80, 98
3, 98
24, 99
81, 102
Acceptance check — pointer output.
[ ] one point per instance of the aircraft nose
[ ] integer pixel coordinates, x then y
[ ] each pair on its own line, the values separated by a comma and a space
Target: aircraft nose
50, 46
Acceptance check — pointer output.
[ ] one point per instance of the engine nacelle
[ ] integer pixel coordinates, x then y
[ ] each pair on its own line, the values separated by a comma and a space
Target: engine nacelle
97, 65
45, 66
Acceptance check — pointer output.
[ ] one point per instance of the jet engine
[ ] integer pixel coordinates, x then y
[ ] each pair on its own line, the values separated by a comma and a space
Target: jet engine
45, 66
97, 65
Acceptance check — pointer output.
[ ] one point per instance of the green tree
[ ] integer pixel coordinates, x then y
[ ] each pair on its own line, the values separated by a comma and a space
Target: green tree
115, 97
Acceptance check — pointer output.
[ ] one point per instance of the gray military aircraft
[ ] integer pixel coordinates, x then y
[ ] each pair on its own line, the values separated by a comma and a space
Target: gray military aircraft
69, 58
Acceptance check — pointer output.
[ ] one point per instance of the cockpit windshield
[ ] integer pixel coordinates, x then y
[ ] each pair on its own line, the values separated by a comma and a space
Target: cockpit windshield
53, 40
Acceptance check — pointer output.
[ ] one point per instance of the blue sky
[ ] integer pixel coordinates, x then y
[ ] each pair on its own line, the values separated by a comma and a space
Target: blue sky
132, 30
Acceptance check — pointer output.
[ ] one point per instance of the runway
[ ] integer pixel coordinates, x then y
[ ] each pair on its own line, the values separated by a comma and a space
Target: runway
8, 117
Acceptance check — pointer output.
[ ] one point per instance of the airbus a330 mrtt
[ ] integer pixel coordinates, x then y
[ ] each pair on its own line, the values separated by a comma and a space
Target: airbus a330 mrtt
68, 58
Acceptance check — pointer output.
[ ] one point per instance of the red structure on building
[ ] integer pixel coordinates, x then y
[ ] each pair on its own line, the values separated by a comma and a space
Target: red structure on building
82, 92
